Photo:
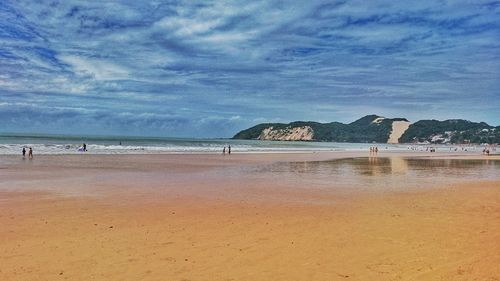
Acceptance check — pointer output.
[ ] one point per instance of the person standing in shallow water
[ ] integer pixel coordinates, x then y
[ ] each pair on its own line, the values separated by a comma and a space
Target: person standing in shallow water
229, 149
24, 152
30, 153
224, 150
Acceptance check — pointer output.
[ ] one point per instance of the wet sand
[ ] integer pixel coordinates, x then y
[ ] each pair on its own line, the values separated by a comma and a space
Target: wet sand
315, 216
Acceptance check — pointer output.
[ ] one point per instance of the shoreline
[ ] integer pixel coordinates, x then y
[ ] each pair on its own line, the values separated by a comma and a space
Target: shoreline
214, 146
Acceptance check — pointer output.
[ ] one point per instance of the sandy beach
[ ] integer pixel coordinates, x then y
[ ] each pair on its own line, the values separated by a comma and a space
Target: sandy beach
289, 216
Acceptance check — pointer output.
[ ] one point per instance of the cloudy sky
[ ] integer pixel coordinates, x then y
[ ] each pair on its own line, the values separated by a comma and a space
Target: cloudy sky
211, 68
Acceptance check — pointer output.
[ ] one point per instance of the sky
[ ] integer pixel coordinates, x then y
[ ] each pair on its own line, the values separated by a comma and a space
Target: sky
211, 68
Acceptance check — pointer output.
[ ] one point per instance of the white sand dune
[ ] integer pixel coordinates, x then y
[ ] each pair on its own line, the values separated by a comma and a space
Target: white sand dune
398, 129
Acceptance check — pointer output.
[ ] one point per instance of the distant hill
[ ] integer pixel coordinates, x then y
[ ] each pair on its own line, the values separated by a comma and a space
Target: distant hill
451, 131
374, 128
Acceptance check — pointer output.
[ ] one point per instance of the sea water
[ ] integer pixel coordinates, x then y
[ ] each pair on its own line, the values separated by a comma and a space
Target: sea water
70, 144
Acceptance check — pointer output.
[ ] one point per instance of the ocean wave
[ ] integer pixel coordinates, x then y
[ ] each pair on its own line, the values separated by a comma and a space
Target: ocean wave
146, 146
13, 149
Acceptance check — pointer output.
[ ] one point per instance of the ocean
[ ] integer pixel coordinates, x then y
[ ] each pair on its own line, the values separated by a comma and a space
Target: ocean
11, 144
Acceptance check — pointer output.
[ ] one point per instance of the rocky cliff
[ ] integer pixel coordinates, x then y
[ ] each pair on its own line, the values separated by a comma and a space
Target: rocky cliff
304, 133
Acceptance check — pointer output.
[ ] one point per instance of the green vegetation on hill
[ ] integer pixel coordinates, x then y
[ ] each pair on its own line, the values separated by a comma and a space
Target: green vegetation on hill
454, 131
255, 131
362, 130
366, 130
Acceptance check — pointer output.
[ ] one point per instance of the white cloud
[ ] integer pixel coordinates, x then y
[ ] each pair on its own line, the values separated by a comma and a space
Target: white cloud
99, 69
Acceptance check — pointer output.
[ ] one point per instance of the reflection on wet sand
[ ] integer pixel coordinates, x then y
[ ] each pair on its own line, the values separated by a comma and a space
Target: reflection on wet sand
386, 171
375, 166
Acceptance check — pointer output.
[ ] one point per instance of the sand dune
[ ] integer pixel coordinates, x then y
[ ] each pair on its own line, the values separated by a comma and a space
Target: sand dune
398, 129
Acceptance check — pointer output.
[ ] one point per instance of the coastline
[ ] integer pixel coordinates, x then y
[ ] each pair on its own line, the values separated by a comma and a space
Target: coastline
64, 145
244, 217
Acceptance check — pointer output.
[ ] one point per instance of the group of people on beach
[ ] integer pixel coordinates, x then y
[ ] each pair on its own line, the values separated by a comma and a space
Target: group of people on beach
487, 150
83, 148
228, 150
427, 148
30, 152
373, 150
491, 148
